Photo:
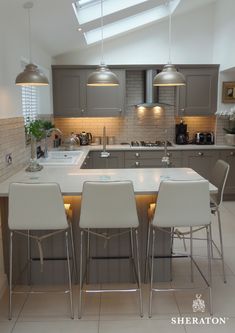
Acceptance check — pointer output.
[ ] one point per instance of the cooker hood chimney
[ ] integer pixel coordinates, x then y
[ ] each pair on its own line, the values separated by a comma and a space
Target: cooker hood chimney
151, 92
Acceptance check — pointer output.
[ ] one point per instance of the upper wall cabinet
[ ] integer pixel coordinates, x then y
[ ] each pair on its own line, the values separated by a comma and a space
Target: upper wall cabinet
73, 98
106, 101
199, 96
68, 92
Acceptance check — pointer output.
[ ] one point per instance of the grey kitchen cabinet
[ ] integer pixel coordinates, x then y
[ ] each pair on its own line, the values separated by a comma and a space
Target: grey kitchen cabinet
114, 161
106, 101
150, 159
202, 161
88, 162
68, 92
73, 98
228, 155
199, 96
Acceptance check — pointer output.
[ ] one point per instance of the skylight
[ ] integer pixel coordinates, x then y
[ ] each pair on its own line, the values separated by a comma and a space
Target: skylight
119, 16
89, 10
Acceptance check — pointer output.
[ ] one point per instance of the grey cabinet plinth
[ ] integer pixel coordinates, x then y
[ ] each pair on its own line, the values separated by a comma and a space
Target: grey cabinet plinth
199, 96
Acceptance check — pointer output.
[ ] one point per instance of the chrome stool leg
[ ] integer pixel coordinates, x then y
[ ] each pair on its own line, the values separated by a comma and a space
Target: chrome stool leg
146, 271
69, 275
138, 270
10, 279
151, 274
221, 245
191, 253
209, 268
73, 255
80, 278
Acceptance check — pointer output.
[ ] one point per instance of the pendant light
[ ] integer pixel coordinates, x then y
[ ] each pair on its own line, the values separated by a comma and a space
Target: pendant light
102, 76
169, 75
31, 76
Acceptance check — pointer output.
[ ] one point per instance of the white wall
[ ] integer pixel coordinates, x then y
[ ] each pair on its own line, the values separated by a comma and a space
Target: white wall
224, 46
192, 43
14, 47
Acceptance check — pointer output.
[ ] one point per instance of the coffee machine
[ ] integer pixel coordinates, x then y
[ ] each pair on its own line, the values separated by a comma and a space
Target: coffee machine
181, 134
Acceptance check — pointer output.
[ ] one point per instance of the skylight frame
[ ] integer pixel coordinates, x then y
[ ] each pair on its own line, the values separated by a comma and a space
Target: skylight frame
129, 23
89, 10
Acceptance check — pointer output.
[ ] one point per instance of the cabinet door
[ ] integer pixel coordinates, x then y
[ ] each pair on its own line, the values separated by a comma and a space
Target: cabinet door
202, 161
114, 161
68, 92
229, 157
106, 101
88, 163
199, 96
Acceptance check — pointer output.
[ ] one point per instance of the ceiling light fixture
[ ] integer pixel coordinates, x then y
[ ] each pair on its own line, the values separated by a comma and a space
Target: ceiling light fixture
102, 77
31, 76
169, 75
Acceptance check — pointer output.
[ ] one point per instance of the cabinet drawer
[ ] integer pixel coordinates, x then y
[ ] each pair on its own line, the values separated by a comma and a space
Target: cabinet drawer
143, 163
150, 154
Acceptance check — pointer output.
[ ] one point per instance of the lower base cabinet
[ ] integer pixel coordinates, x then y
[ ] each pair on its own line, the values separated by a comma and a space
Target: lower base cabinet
200, 160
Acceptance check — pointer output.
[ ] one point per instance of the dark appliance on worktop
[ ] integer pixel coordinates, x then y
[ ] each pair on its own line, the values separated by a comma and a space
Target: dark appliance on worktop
181, 134
85, 138
204, 138
157, 143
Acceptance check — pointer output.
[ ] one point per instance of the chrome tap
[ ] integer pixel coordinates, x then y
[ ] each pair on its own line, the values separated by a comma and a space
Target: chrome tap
166, 158
104, 153
47, 132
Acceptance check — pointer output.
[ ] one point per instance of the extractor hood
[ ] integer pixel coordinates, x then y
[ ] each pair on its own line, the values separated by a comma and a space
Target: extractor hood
151, 92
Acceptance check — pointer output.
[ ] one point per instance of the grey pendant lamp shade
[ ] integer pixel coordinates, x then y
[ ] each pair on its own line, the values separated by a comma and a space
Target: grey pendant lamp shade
169, 75
102, 76
31, 76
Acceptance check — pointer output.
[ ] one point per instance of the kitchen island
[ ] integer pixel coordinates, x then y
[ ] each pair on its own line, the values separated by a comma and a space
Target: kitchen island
71, 178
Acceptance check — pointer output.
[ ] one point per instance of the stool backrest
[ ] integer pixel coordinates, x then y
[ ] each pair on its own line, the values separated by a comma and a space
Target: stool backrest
36, 207
108, 205
182, 203
218, 178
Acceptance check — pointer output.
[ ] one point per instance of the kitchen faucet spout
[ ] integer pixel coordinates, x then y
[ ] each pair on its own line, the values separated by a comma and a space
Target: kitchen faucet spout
47, 132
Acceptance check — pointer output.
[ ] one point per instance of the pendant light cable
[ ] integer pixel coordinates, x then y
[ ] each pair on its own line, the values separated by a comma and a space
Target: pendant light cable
169, 35
29, 35
169, 76
31, 76
102, 33
102, 76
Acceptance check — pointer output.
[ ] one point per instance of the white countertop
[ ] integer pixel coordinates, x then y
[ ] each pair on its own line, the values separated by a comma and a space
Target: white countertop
71, 179
173, 147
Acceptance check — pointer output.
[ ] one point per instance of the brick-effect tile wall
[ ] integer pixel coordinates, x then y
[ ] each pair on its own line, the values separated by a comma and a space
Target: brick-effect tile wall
12, 140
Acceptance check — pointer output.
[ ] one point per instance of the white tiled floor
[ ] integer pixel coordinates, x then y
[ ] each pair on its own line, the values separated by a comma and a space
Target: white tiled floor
114, 313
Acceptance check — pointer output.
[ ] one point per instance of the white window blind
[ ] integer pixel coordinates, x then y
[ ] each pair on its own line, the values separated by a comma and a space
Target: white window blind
30, 103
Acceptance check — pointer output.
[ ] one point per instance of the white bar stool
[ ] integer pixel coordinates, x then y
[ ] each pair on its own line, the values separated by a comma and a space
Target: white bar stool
109, 205
181, 204
218, 178
24, 217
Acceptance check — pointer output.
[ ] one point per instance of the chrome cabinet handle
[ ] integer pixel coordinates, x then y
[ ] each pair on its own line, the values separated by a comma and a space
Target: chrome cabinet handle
232, 153
200, 153
137, 164
82, 110
137, 154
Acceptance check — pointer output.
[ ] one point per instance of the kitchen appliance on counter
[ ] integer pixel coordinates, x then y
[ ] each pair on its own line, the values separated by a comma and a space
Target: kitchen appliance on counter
157, 143
204, 138
181, 134
85, 138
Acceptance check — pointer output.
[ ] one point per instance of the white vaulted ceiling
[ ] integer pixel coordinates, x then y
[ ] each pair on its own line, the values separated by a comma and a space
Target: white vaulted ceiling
54, 24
